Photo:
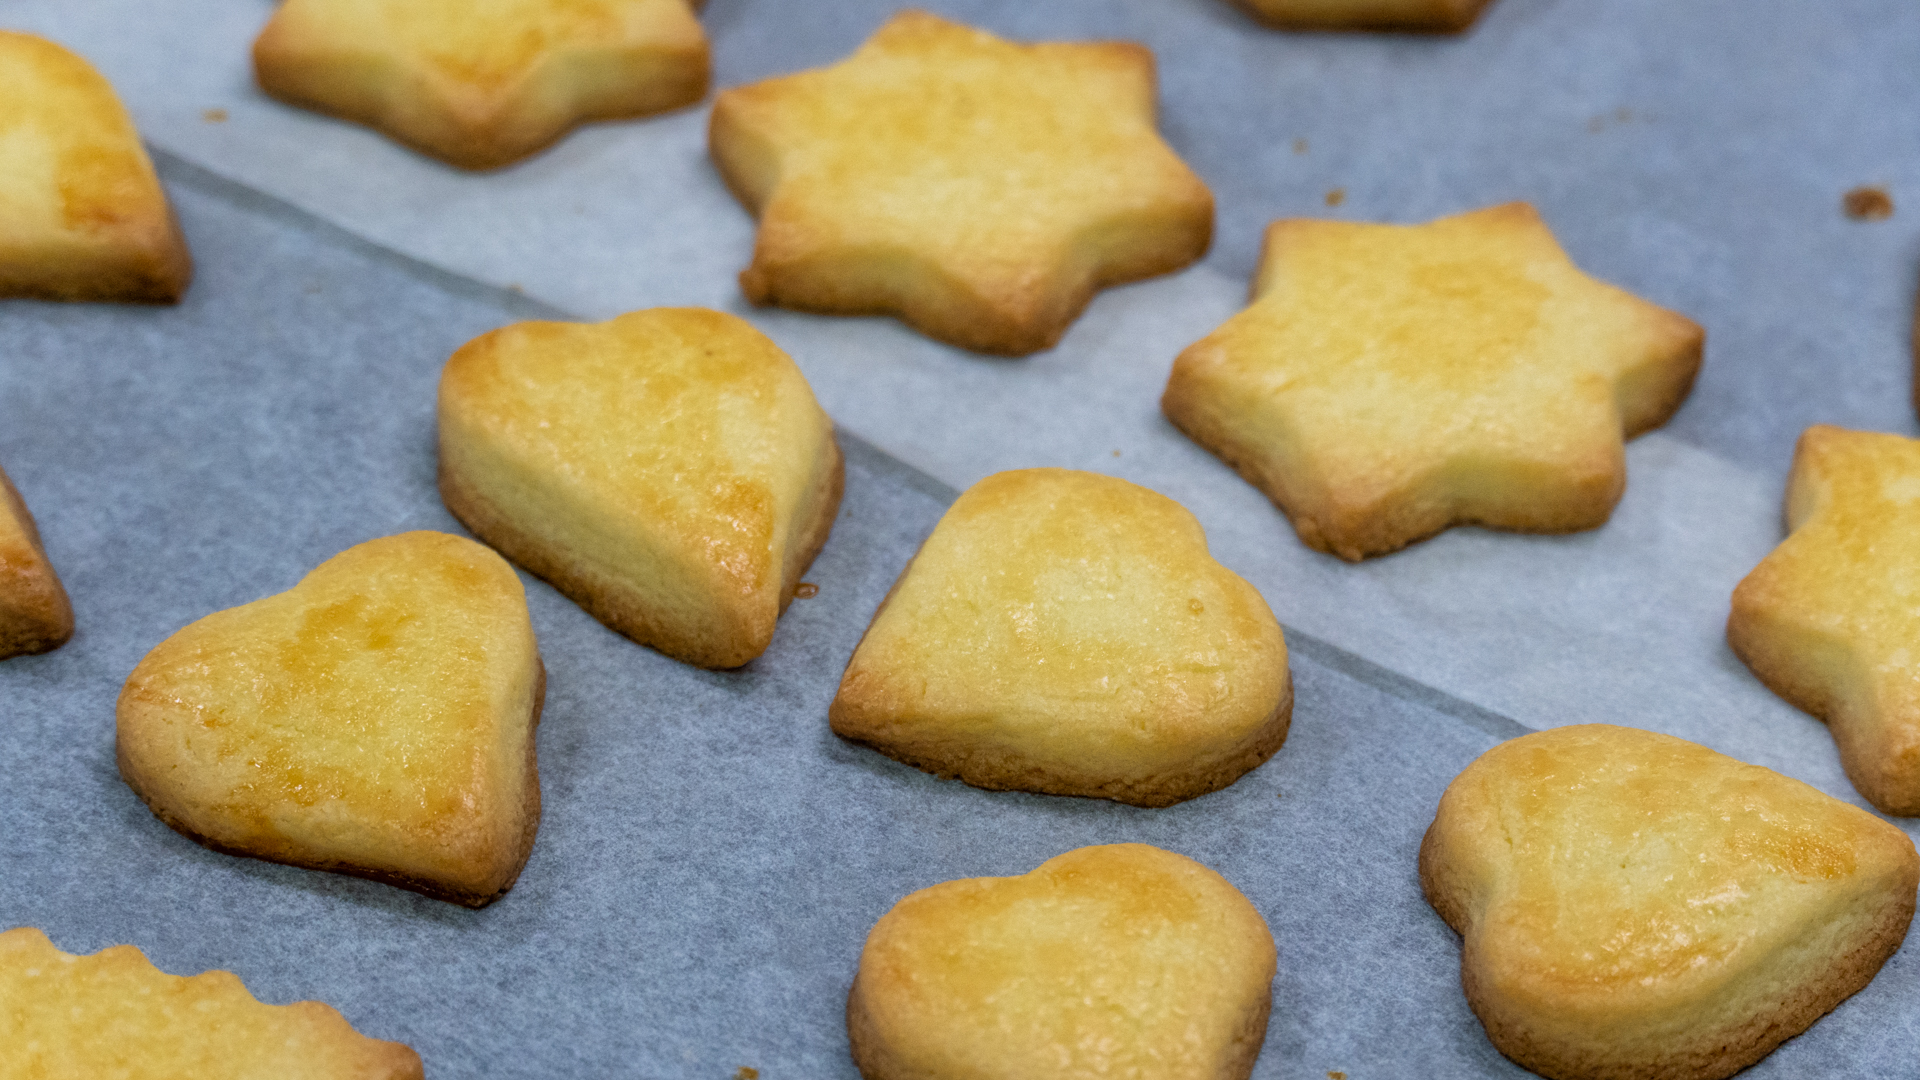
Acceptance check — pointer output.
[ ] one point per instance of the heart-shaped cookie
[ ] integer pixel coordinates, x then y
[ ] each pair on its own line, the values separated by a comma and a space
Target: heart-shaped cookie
669, 470
114, 1014
82, 215
376, 719
1634, 905
1068, 633
1115, 961
35, 616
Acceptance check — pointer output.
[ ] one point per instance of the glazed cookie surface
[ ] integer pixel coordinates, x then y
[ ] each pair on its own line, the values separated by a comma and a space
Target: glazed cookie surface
1828, 620
376, 720
1635, 905
979, 189
669, 470
1390, 381
113, 1014
82, 215
1116, 961
35, 615
482, 83
1068, 633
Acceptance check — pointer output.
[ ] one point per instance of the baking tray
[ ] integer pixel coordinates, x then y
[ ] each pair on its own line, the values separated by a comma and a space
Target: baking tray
710, 856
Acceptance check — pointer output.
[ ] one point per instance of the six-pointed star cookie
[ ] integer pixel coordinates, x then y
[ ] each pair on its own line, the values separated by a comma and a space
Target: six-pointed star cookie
1390, 381
1427, 16
82, 215
113, 1014
979, 189
482, 83
1635, 905
1831, 619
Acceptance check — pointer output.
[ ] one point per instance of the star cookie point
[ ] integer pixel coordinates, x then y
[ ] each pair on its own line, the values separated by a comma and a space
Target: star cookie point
1826, 620
979, 189
1389, 381
482, 85
1633, 904
35, 614
82, 214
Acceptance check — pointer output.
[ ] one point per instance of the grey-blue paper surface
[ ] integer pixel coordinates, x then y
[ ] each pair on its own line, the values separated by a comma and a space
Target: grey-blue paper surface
710, 856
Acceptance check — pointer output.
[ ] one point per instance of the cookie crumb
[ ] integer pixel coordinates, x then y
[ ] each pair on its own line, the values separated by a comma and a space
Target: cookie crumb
1868, 203
1336, 196
1336, 1075
1299, 146
214, 116
747, 1072
1116, 453
806, 590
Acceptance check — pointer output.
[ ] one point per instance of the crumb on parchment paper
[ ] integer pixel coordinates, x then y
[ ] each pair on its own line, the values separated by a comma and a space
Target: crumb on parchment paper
1868, 203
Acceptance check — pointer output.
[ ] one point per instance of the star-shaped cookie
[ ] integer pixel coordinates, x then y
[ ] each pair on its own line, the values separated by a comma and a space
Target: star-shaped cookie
1422, 16
82, 215
1635, 905
482, 83
35, 616
113, 1014
1831, 619
1390, 381
979, 189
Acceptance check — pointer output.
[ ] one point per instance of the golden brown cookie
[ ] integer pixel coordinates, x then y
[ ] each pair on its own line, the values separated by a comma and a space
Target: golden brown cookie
1420, 16
1068, 633
1117, 961
113, 1014
1634, 905
376, 719
669, 470
35, 616
82, 215
979, 189
1829, 619
482, 83
1390, 381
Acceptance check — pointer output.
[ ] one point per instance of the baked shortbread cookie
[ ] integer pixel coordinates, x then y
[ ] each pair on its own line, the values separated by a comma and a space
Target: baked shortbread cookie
482, 83
1067, 633
35, 616
376, 720
113, 1014
669, 470
1422, 16
1829, 619
1635, 905
82, 215
980, 190
1117, 961
1390, 381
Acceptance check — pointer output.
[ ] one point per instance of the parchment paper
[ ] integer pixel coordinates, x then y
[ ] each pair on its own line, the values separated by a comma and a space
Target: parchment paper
711, 857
